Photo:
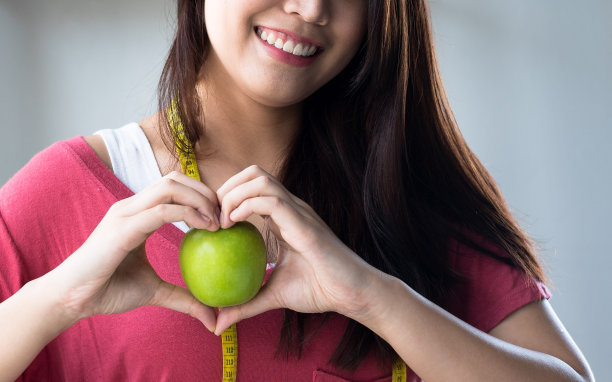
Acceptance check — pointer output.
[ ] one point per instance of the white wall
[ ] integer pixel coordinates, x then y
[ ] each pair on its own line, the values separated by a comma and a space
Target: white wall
73, 67
531, 86
529, 81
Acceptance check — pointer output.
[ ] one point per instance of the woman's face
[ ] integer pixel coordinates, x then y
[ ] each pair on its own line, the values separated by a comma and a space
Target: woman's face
278, 52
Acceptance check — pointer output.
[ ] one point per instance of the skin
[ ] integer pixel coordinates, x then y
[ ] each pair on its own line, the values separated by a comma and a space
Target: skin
110, 273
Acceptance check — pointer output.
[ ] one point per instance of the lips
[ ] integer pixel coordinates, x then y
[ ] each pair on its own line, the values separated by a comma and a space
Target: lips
288, 42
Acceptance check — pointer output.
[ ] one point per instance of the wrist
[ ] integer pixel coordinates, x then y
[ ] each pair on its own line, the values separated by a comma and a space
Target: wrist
377, 297
52, 296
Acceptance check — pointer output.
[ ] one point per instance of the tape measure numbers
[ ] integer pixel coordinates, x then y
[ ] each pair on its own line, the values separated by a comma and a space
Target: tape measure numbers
229, 343
229, 338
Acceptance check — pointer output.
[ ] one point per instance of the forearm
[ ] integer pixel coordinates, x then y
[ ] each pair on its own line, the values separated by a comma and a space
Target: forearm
440, 347
29, 320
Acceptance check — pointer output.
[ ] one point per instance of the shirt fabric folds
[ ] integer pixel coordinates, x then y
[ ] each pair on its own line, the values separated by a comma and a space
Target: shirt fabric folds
50, 207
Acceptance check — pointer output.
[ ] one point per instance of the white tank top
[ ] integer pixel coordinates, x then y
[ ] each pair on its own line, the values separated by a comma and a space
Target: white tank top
132, 158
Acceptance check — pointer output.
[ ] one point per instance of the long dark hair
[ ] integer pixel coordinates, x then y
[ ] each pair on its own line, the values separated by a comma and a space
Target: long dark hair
381, 160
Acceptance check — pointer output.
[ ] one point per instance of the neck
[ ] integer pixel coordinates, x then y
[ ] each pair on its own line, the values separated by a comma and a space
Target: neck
239, 132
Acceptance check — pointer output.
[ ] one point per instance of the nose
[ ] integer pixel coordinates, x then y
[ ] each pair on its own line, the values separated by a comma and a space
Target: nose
312, 11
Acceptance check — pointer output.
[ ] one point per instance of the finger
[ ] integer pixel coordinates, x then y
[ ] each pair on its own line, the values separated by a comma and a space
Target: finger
177, 188
300, 231
150, 220
195, 184
250, 173
243, 176
276, 208
262, 302
179, 299
171, 191
136, 229
260, 186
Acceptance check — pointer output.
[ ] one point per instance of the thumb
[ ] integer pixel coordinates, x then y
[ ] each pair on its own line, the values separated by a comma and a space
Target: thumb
179, 299
262, 302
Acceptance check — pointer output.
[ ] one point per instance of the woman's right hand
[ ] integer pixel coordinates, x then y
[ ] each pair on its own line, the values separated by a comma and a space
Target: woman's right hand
110, 272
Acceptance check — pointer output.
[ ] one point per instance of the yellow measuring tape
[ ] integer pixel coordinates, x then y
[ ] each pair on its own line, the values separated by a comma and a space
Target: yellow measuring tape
229, 338
183, 146
229, 343
398, 371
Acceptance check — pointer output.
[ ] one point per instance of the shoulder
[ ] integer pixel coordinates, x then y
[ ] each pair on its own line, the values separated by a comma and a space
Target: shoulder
99, 147
60, 162
53, 202
43, 168
66, 176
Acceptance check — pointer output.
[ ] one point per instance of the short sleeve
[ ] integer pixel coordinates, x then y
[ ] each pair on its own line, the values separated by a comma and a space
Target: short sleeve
489, 289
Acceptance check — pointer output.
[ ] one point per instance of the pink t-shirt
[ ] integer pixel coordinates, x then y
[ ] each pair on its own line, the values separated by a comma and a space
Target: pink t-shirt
50, 207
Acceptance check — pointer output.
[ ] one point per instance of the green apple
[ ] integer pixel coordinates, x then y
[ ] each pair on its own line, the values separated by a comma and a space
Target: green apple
225, 267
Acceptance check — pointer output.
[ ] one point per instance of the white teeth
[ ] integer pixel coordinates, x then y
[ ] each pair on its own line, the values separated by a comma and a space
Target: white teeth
308, 51
288, 46
298, 49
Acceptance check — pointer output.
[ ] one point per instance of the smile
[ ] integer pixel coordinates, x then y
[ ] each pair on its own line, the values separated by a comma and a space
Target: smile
290, 44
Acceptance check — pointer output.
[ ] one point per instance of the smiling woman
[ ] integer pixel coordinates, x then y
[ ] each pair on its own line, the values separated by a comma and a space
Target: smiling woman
266, 73
325, 124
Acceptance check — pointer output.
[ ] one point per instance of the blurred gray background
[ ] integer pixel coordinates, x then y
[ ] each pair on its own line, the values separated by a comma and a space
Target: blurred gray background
530, 83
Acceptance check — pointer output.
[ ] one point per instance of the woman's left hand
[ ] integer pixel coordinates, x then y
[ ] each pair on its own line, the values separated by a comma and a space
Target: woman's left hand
315, 272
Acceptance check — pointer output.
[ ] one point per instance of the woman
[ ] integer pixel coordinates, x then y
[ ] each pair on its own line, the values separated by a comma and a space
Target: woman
325, 124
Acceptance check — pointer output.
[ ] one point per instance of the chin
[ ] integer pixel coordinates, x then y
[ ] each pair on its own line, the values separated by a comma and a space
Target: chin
277, 99
282, 103
275, 89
